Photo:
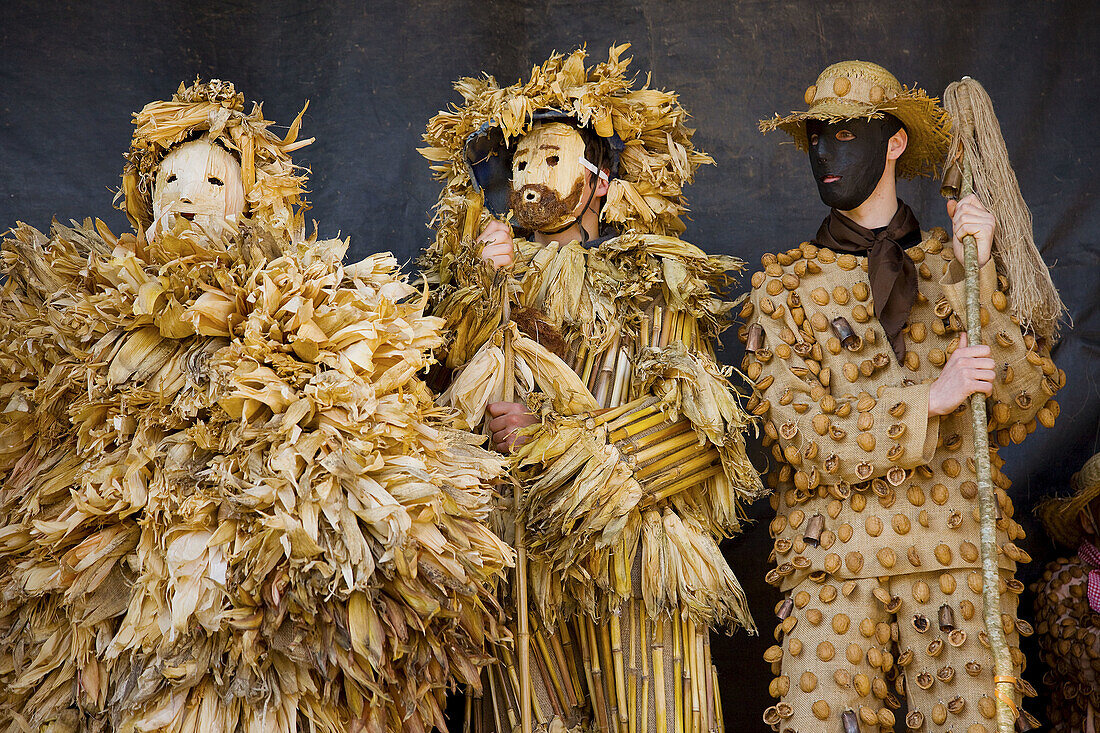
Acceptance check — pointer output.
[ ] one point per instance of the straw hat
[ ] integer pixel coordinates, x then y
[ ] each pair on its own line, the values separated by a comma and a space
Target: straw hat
1060, 517
854, 89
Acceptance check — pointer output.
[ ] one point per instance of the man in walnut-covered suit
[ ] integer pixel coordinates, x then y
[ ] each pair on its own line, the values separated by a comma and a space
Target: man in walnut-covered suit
856, 345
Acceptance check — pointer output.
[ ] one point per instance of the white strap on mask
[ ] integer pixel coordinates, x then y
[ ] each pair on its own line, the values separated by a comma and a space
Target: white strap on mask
587, 164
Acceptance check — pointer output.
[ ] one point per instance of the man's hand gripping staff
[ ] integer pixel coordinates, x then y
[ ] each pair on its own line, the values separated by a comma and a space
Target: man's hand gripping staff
508, 417
965, 101
970, 369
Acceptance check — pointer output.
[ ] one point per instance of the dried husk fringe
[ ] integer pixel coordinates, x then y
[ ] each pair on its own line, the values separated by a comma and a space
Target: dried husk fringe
658, 160
274, 187
588, 295
627, 312
652, 478
627, 323
228, 502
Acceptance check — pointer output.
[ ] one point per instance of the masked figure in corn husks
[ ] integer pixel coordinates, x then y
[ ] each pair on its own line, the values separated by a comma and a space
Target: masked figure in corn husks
582, 334
229, 503
854, 344
1067, 605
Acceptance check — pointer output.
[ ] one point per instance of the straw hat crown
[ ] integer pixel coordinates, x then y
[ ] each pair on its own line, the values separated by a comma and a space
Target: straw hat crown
860, 89
1087, 480
1060, 515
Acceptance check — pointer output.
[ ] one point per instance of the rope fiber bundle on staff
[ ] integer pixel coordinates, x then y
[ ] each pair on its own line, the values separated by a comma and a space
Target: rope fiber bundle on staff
978, 154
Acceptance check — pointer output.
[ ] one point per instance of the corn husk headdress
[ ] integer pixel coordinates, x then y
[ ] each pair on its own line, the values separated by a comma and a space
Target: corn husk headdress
657, 156
274, 186
860, 89
1061, 516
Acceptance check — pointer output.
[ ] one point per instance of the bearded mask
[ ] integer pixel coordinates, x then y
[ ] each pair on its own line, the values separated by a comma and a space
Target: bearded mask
848, 170
201, 182
547, 177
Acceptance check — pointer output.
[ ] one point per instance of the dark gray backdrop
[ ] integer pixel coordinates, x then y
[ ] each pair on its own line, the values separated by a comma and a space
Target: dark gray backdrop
72, 72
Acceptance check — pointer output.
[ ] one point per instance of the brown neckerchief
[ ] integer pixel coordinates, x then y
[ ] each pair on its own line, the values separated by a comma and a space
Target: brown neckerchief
892, 274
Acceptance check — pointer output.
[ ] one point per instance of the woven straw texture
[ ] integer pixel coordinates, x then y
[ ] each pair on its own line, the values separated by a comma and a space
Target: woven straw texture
854, 89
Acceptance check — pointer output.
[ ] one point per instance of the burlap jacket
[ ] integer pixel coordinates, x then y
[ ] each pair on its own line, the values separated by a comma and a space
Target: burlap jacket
848, 425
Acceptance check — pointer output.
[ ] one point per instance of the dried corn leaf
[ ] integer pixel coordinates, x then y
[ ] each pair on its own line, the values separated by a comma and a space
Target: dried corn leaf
252, 517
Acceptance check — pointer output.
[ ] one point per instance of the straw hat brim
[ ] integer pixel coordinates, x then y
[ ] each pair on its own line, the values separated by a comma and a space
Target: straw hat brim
927, 125
1060, 516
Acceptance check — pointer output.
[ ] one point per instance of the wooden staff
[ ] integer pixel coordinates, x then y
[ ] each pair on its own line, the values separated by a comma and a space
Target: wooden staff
958, 181
523, 633
475, 204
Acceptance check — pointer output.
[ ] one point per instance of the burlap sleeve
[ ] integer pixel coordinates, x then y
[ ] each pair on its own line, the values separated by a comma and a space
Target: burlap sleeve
823, 436
1026, 375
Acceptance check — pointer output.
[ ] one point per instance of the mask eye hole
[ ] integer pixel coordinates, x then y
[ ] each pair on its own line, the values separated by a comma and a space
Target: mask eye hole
844, 136
171, 177
215, 180
521, 165
552, 161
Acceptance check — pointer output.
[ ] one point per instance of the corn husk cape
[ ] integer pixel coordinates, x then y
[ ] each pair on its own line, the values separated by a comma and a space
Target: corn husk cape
628, 323
229, 503
637, 468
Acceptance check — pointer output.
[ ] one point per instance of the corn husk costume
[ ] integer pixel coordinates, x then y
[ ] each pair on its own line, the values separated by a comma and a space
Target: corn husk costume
638, 467
229, 503
877, 528
1067, 599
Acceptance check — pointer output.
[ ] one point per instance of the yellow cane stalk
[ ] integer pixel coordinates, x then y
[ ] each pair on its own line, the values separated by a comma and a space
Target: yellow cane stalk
658, 649
677, 672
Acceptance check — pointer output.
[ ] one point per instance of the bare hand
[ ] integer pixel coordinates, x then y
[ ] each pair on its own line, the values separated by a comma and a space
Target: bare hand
970, 369
968, 216
508, 419
497, 241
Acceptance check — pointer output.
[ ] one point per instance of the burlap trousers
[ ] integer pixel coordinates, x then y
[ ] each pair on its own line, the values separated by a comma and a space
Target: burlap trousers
916, 662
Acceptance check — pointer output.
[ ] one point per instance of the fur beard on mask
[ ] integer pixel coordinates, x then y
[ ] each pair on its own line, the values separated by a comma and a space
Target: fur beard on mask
549, 212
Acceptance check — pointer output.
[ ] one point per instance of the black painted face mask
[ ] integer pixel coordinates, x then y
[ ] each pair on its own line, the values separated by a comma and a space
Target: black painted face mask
848, 158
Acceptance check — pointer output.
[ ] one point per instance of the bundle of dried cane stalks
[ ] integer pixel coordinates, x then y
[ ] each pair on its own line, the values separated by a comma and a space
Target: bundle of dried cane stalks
633, 319
229, 503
